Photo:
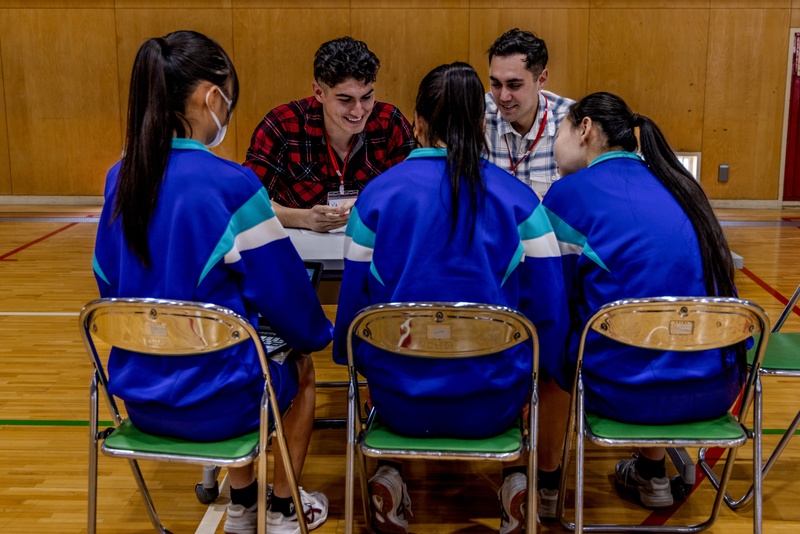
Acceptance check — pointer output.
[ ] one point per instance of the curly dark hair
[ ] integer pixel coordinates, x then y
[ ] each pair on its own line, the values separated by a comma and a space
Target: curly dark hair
343, 58
516, 41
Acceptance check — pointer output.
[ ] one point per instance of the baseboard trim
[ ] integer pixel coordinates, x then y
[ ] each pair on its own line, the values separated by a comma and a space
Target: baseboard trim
36, 200
747, 204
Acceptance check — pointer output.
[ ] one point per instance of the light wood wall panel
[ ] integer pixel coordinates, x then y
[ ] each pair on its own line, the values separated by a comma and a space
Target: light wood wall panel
748, 4
654, 4
744, 102
565, 31
540, 4
74, 4
427, 37
292, 4
406, 4
172, 4
135, 26
655, 59
62, 99
692, 65
274, 56
5, 169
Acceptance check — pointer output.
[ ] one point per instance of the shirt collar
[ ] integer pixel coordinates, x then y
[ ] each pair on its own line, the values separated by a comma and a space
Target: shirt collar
315, 126
505, 127
430, 152
427, 153
182, 143
616, 154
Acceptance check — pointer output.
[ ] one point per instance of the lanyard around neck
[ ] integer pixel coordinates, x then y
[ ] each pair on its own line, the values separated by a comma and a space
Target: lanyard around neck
340, 173
533, 144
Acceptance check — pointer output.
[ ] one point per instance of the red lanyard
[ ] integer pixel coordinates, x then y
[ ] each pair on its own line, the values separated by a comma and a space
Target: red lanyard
340, 173
530, 148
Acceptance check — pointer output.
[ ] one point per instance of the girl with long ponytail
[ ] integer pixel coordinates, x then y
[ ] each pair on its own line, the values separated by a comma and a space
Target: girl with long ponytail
632, 222
446, 225
180, 223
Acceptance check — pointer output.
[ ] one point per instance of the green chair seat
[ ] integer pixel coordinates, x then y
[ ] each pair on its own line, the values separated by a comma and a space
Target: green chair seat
724, 428
783, 352
379, 436
127, 437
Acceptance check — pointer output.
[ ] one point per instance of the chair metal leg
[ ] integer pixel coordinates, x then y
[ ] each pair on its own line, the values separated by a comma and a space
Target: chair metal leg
362, 478
349, 496
145, 493
579, 452
263, 465
776, 453
92, 505
283, 450
532, 446
757, 452
565, 458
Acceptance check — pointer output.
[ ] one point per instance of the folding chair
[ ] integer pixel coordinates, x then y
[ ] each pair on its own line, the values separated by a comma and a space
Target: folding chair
782, 358
683, 324
437, 330
174, 329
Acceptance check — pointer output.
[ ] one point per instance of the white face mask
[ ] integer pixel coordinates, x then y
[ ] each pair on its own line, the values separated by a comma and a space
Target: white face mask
220, 128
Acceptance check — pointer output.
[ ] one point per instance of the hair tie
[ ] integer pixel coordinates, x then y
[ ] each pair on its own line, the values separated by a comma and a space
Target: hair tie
636, 119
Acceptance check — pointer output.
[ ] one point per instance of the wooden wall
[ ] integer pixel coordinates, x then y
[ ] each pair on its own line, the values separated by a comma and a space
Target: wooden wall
712, 73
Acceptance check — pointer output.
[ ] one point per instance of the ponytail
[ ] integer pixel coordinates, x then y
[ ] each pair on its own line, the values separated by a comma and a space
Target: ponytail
618, 123
451, 101
718, 269
147, 145
166, 71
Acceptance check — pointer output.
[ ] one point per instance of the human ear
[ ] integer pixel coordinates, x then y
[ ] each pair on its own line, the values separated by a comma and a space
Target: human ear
318, 91
543, 78
587, 130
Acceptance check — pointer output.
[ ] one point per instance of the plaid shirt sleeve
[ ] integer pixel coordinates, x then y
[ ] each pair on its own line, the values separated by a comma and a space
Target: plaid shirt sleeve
268, 146
401, 139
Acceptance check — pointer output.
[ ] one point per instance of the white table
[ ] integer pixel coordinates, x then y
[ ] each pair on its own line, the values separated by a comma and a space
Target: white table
329, 249
325, 247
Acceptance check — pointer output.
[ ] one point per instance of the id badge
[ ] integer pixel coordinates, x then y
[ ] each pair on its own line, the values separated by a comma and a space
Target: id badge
335, 197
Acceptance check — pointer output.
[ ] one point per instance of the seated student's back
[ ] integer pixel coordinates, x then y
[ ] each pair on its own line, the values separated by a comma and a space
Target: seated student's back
417, 233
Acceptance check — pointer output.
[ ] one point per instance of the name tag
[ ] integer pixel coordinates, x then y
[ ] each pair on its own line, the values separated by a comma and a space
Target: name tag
335, 197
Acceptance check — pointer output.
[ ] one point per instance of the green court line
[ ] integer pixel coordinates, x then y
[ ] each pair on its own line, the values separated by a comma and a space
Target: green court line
49, 422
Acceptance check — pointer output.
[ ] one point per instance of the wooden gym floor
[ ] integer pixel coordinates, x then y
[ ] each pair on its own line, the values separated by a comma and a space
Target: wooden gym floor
46, 273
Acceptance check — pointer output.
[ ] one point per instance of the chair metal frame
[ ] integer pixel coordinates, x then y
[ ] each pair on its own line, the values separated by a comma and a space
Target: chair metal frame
684, 324
765, 369
172, 328
476, 330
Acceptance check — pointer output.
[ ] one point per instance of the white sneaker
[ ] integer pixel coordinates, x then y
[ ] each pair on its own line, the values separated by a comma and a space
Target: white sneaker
653, 492
548, 503
241, 520
388, 497
315, 508
512, 499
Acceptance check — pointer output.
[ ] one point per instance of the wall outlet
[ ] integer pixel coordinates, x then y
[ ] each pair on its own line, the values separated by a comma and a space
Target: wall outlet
722, 174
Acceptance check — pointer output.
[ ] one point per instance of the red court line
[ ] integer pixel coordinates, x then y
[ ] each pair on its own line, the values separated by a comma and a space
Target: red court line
766, 287
23, 247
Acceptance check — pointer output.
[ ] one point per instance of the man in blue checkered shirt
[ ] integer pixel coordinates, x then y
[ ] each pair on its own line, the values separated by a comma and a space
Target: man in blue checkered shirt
521, 118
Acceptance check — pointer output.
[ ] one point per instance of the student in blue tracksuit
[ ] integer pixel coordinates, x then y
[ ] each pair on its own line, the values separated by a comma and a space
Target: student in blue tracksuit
181, 223
446, 225
634, 226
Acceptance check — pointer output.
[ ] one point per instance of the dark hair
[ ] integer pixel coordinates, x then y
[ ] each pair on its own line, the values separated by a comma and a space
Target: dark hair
166, 71
516, 41
618, 122
343, 58
451, 101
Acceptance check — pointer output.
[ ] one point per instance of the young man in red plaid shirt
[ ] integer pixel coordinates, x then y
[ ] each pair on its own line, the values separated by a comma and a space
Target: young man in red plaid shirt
314, 155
